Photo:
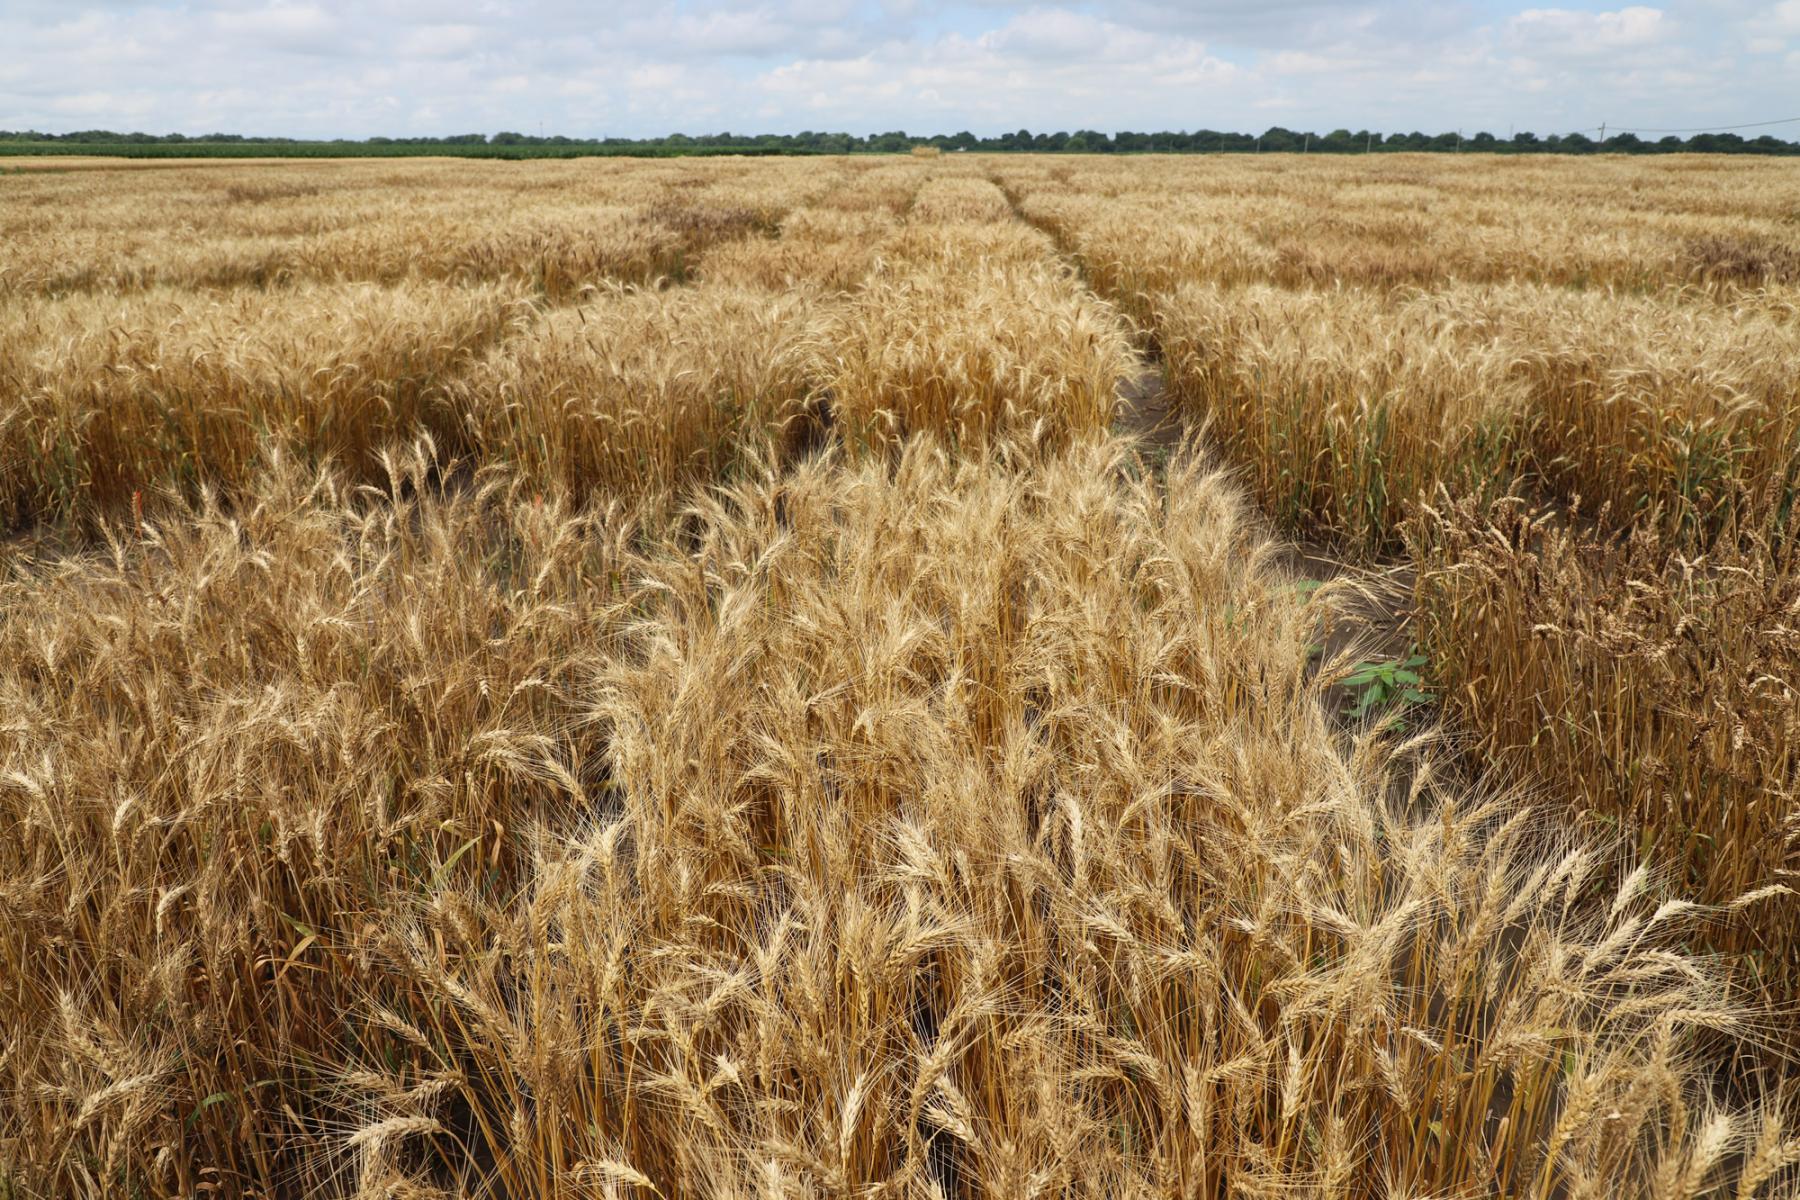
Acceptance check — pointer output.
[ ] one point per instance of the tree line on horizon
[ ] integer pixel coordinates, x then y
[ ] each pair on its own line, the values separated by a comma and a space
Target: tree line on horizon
1275, 139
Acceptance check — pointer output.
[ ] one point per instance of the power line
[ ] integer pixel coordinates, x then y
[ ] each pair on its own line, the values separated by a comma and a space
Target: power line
1701, 128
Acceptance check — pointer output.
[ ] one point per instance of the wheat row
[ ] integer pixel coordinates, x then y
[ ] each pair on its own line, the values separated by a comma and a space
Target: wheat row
1569, 401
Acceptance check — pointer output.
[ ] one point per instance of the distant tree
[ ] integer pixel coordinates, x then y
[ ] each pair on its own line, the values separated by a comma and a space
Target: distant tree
1276, 139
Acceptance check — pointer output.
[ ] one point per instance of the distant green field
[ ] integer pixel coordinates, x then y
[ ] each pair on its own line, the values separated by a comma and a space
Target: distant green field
366, 150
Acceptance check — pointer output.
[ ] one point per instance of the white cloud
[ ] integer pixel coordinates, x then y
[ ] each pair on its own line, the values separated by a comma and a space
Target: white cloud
292, 28
1589, 33
88, 104
439, 41
1060, 35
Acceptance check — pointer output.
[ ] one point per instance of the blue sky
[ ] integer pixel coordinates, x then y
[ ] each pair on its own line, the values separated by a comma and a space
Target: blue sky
358, 67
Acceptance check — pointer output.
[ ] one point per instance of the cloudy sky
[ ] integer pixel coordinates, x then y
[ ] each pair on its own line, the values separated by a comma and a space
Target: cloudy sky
352, 68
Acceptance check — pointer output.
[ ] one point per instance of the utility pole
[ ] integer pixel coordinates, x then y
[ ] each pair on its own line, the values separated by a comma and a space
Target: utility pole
1307, 148
1369, 142
1603, 133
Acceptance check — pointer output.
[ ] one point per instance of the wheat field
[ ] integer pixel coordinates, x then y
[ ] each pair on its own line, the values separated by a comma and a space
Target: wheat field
964, 677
